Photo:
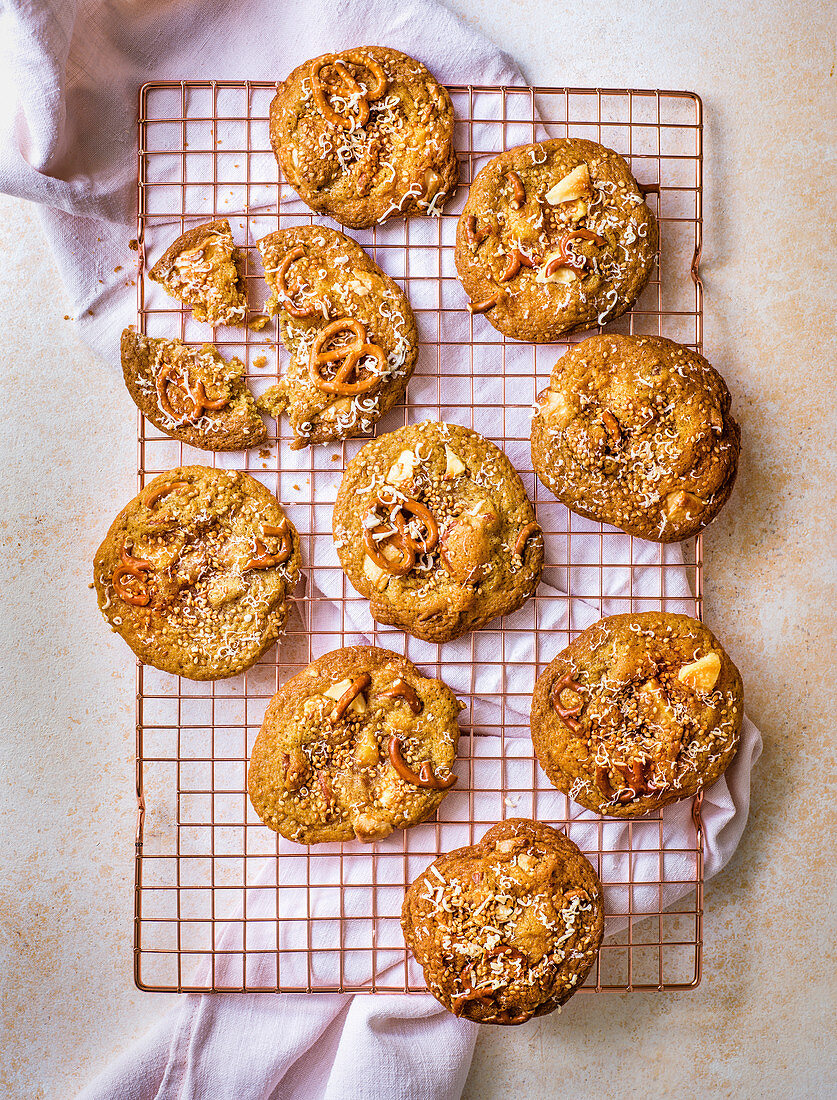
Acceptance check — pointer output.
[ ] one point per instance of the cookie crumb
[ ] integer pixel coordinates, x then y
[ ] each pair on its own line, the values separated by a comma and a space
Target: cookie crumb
260, 361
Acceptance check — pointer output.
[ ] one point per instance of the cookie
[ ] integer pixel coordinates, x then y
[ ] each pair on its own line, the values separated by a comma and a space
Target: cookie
432, 524
636, 431
555, 237
356, 745
640, 710
509, 928
349, 328
365, 135
204, 269
192, 394
197, 572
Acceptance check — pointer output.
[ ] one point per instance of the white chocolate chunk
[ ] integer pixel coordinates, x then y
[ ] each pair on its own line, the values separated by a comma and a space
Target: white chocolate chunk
358, 704
555, 408
402, 469
559, 275
454, 466
702, 674
573, 186
377, 576
336, 690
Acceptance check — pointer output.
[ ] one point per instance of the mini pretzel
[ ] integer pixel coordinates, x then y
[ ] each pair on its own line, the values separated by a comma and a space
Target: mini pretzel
635, 777
570, 894
470, 996
566, 258
151, 496
263, 560
282, 532
425, 778
582, 235
505, 1017
405, 563
359, 684
611, 425
287, 302
200, 402
350, 353
526, 533
294, 772
487, 304
474, 236
603, 783
138, 569
518, 190
366, 61
567, 714
348, 122
402, 690
516, 261
400, 536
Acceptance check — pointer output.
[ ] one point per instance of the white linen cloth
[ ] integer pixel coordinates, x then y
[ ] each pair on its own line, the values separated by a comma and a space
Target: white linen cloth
71, 72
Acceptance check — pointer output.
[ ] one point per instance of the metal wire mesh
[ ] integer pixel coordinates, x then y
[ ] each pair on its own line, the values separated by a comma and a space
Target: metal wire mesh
211, 880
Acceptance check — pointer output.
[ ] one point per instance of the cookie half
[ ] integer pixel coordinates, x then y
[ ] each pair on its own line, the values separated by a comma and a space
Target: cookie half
350, 331
197, 572
509, 928
191, 393
432, 524
204, 269
639, 711
356, 745
555, 237
637, 431
365, 135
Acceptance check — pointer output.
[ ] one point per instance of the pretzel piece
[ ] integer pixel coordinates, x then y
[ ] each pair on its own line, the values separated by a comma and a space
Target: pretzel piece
349, 355
138, 569
425, 778
567, 714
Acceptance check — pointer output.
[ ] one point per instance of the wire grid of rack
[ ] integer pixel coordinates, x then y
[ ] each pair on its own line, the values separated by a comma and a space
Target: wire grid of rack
212, 882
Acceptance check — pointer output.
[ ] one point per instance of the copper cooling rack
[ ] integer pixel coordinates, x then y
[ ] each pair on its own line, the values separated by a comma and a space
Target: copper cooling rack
211, 881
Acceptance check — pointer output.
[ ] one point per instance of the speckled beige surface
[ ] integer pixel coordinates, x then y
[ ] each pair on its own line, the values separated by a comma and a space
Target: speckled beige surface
759, 1025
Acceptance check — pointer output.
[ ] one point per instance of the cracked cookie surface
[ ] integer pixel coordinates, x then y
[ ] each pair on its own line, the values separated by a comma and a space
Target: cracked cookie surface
350, 331
432, 524
365, 135
196, 572
508, 928
555, 237
191, 393
640, 710
637, 431
356, 745
204, 269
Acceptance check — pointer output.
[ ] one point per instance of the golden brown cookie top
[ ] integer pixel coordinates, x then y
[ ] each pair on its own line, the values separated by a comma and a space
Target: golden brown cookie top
433, 525
508, 928
365, 135
357, 744
640, 710
191, 393
636, 431
196, 572
205, 269
555, 237
349, 328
